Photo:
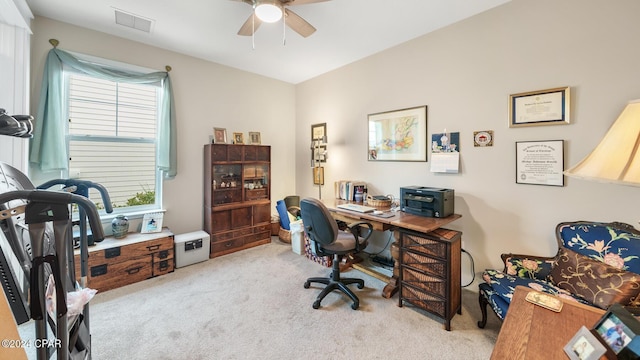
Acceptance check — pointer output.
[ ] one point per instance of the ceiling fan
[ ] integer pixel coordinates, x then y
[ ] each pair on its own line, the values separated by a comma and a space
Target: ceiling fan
274, 10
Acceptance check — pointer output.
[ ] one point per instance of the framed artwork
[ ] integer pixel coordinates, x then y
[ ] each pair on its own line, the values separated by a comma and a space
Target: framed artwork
399, 135
540, 162
238, 138
483, 138
318, 175
584, 346
219, 135
254, 138
319, 154
542, 107
319, 132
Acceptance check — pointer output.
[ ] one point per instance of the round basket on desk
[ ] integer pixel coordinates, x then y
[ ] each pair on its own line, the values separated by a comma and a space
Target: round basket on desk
284, 235
378, 203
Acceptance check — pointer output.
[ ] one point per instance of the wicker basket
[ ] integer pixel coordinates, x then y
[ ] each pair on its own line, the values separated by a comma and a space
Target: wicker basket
379, 203
284, 235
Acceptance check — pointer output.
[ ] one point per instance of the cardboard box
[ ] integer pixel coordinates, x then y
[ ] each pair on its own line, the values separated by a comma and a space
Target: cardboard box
191, 248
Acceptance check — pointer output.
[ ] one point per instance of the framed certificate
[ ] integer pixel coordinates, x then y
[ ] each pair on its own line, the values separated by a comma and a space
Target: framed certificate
543, 107
540, 162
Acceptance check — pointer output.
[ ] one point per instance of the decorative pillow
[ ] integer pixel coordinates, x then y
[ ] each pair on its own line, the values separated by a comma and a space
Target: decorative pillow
599, 283
528, 268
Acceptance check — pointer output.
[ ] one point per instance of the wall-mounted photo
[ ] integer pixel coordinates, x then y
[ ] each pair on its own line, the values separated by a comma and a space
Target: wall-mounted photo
399, 135
318, 175
445, 142
219, 135
319, 154
542, 107
319, 132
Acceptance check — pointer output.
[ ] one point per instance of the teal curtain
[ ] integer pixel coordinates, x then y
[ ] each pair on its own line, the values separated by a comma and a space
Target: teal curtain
48, 148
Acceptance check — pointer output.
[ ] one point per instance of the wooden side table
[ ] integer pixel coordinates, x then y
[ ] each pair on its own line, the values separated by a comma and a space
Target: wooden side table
532, 332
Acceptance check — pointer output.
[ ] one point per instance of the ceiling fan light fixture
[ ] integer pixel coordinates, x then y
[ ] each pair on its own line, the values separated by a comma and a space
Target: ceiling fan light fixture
268, 11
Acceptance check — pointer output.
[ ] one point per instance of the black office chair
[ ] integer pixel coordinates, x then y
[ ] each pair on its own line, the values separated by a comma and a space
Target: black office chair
328, 240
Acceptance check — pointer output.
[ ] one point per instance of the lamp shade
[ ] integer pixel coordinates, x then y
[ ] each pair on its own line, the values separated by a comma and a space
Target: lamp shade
616, 159
268, 11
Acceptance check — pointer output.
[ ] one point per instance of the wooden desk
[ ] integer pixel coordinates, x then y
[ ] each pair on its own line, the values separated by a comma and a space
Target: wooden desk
432, 259
400, 220
532, 332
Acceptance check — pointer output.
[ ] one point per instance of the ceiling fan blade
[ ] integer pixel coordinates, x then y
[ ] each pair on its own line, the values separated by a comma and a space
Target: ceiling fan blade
302, 2
298, 24
250, 26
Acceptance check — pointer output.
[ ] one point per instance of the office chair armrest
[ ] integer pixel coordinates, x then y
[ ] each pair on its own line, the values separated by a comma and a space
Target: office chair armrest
355, 227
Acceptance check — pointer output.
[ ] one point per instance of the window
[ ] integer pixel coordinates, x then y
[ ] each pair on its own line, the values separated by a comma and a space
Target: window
112, 140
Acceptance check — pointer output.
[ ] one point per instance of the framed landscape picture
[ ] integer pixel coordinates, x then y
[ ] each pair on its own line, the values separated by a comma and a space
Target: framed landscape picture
399, 135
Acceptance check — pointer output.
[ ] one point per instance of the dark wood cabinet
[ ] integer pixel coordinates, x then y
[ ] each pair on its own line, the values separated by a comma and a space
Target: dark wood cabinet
237, 190
430, 272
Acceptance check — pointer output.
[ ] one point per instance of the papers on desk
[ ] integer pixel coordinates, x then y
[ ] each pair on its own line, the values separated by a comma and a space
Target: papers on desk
356, 207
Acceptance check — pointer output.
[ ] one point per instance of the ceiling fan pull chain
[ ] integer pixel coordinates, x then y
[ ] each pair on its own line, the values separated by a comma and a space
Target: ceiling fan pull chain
284, 28
253, 31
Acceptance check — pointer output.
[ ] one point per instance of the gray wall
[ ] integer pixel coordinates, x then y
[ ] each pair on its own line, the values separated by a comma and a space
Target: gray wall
464, 74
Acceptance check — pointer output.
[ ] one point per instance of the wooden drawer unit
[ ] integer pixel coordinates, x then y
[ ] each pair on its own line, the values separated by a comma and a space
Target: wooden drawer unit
117, 262
430, 272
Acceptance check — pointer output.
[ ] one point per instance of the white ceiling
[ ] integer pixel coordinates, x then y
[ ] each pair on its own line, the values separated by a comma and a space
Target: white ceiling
348, 30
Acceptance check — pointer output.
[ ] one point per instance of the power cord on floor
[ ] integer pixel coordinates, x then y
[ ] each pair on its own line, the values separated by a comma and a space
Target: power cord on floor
473, 270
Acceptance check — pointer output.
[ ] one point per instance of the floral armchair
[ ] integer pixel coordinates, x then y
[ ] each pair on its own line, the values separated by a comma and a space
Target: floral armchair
596, 264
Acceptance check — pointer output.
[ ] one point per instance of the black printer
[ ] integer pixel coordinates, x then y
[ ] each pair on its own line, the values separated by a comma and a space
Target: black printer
427, 201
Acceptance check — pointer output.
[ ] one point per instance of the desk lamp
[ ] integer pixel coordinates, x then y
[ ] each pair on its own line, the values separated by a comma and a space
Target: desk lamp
616, 159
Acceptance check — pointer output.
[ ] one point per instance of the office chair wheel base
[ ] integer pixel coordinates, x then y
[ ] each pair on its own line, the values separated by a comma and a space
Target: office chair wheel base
307, 284
316, 304
355, 306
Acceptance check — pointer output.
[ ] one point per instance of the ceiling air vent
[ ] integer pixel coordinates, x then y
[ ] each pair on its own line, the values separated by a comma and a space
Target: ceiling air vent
133, 21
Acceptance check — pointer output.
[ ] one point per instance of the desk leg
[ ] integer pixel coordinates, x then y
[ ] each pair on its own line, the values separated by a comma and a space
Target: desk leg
392, 287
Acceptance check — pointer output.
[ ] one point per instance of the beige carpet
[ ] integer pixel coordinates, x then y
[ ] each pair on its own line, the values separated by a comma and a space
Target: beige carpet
252, 305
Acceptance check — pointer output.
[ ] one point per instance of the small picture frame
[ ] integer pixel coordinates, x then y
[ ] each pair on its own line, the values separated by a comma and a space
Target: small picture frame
318, 175
219, 135
151, 222
238, 138
319, 132
319, 155
584, 346
254, 138
618, 330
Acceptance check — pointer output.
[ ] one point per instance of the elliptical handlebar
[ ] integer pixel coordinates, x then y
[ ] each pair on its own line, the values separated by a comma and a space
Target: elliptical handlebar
57, 197
83, 187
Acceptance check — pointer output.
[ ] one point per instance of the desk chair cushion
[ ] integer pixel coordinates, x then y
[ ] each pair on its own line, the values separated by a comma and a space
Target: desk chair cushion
345, 243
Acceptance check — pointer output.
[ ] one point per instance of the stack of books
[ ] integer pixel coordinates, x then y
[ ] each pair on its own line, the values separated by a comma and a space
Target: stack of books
347, 189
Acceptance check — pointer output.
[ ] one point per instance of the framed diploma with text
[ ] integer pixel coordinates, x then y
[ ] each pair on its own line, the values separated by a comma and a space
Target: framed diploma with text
540, 162
543, 107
